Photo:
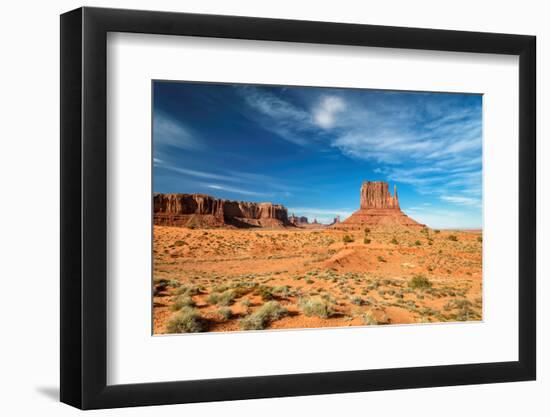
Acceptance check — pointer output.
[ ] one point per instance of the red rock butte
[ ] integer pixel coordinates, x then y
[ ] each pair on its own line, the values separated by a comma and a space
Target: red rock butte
201, 210
378, 209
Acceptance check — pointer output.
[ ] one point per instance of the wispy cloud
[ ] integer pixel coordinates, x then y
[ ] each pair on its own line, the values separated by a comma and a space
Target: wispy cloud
236, 190
458, 199
280, 116
432, 144
168, 131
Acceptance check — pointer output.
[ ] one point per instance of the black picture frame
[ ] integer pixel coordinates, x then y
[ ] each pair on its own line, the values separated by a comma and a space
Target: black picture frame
84, 207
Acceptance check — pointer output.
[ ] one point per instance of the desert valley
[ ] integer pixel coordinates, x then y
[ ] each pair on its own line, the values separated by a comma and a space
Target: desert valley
230, 266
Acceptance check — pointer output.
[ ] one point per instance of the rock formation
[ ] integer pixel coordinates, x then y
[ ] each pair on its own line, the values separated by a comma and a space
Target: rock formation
201, 210
378, 208
298, 220
375, 195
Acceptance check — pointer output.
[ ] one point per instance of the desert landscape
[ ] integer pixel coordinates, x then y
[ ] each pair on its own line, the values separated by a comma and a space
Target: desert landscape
223, 265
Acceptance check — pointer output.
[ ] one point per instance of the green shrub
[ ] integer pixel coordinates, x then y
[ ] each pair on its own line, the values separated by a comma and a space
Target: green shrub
182, 301
347, 239
179, 243
417, 243
452, 238
394, 241
261, 318
367, 230
366, 241
437, 231
419, 281
381, 259
186, 320
316, 307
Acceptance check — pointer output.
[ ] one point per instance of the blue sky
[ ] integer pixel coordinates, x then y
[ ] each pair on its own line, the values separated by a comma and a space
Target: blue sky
311, 148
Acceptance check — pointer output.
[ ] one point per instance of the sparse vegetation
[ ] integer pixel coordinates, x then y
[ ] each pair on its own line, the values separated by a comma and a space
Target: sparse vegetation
316, 307
452, 238
260, 319
368, 319
356, 300
225, 313
186, 320
217, 279
182, 301
419, 282
188, 290
347, 239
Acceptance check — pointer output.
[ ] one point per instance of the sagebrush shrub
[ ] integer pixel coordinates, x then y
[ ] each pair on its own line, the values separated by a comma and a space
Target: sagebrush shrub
186, 320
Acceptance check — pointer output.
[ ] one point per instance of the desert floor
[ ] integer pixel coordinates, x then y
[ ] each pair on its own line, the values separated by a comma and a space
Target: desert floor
253, 279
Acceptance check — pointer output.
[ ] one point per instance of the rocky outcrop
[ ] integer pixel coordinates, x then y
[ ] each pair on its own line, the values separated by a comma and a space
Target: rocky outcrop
298, 220
376, 194
201, 210
378, 208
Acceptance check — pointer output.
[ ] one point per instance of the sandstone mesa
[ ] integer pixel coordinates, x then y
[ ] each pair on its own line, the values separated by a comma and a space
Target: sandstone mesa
378, 208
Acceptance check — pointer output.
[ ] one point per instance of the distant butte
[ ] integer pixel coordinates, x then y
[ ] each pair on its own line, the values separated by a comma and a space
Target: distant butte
378, 208
202, 210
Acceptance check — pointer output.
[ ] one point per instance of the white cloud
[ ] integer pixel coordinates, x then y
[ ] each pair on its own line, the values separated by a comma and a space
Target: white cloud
167, 131
234, 190
434, 146
327, 109
462, 200
283, 118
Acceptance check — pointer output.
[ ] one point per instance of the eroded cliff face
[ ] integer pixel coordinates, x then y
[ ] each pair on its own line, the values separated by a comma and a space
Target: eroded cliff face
376, 194
204, 210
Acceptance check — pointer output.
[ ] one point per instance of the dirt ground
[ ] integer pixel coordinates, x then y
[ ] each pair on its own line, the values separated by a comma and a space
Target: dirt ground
253, 279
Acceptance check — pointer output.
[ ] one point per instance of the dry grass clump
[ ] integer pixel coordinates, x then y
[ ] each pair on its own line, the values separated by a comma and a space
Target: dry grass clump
347, 239
186, 320
316, 307
225, 298
260, 319
189, 290
161, 284
419, 282
368, 319
182, 301
225, 313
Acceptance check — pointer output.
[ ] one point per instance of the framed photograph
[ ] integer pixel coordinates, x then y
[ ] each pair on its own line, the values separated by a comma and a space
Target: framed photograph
260, 208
